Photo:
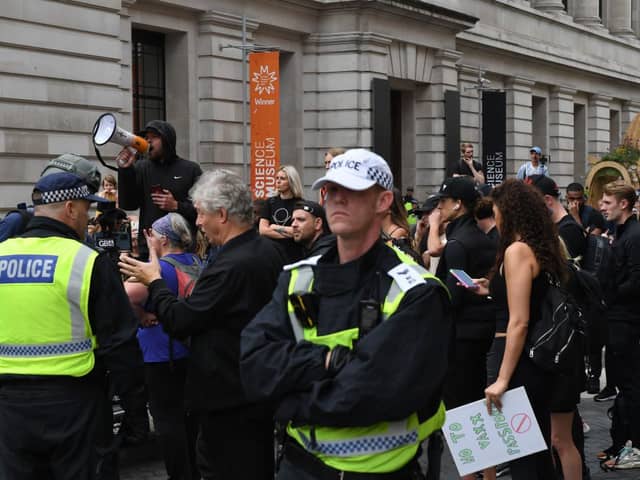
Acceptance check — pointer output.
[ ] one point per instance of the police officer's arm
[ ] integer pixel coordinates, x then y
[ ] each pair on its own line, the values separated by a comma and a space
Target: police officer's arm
112, 320
397, 369
272, 363
130, 187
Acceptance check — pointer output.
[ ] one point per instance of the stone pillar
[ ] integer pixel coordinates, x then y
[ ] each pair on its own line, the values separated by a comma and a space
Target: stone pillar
549, 6
430, 128
338, 73
220, 96
587, 13
126, 115
519, 122
469, 106
635, 17
619, 18
598, 130
561, 135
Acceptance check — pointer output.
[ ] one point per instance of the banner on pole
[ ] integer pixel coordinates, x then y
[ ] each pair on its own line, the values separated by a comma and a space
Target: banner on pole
494, 137
264, 85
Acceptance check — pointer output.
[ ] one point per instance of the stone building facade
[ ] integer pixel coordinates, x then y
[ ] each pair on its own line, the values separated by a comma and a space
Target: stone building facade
570, 71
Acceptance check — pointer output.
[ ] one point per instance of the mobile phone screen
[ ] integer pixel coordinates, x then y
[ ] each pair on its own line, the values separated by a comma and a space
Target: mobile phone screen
463, 277
156, 188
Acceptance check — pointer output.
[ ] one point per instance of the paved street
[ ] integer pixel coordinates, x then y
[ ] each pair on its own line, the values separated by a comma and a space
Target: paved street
144, 462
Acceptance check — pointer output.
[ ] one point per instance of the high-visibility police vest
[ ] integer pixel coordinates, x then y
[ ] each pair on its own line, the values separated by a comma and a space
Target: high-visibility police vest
412, 219
385, 446
44, 293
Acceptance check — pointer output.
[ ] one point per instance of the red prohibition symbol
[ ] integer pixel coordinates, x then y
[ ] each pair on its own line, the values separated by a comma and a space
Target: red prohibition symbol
520, 423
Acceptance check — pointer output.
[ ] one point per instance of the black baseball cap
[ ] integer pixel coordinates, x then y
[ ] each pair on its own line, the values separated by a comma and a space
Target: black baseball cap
429, 205
314, 208
545, 184
459, 188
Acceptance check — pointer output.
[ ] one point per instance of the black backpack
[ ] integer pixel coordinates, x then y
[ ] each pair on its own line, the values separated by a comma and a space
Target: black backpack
7, 231
556, 340
598, 258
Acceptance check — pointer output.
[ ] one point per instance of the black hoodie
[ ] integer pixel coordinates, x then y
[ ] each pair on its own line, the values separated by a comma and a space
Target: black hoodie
172, 173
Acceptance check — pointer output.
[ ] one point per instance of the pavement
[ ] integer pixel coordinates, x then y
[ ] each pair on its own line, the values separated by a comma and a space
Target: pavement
144, 462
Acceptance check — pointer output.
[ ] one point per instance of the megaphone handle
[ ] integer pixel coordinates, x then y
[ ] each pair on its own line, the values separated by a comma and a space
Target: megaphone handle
133, 150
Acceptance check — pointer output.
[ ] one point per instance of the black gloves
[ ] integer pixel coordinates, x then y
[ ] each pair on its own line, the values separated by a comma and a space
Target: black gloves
339, 357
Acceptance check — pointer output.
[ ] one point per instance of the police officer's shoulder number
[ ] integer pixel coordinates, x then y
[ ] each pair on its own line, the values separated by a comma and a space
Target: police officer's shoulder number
406, 276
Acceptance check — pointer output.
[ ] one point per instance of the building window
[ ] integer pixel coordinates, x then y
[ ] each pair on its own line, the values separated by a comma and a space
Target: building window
148, 77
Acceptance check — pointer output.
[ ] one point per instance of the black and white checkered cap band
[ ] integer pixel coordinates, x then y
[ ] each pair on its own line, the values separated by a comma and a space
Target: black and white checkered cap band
381, 178
55, 196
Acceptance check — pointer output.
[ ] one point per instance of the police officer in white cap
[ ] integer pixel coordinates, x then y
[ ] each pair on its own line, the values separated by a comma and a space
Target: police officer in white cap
350, 348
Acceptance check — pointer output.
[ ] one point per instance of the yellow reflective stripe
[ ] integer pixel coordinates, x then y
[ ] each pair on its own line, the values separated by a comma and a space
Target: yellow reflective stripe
301, 281
75, 292
434, 423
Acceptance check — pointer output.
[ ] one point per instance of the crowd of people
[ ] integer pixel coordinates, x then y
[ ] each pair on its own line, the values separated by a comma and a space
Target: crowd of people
332, 329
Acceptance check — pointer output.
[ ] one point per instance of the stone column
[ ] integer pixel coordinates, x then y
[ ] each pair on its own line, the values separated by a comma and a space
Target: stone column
619, 18
635, 17
430, 126
587, 13
561, 135
125, 115
338, 73
549, 6
598, 130
469, 120
220, 96
519, 122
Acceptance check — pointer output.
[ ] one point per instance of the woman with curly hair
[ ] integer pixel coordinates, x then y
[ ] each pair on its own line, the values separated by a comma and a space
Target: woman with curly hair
529, 246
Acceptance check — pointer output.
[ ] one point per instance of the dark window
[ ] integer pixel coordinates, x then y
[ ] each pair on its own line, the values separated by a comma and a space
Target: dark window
564, 2
600, 9
147, 72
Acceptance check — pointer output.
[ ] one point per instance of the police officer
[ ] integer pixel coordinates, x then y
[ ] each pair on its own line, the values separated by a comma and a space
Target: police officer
326, 350
65, 320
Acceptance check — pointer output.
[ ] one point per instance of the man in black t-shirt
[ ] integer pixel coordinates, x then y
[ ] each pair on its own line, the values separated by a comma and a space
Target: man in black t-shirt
570, 232
467, 166
586, 216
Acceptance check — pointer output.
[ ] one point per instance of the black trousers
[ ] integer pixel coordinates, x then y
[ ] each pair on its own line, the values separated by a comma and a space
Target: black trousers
467, 374
47, 430
536, 382
235, 444
176, 429
623, 368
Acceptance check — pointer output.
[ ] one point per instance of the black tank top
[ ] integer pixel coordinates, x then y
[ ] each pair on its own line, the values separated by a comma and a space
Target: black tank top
498, 290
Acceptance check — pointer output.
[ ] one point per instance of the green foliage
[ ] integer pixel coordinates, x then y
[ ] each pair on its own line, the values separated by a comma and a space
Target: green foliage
626, 154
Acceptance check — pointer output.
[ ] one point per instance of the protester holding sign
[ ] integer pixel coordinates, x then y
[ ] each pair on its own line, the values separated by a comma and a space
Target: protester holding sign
529, 246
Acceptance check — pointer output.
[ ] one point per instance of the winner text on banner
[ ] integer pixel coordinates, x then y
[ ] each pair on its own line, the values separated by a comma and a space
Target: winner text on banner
478, 440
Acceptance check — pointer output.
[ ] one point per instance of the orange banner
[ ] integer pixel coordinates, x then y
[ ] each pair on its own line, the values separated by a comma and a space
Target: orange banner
264, 85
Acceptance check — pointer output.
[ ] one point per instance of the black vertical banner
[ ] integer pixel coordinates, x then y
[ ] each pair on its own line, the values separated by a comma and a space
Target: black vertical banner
494, 136
452, 130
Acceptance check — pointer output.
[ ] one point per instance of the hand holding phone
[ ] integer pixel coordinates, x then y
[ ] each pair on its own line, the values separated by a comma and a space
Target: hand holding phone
463, 277
157, 189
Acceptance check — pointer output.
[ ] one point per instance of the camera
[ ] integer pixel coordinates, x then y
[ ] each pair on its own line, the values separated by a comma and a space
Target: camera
544, 159
114, 233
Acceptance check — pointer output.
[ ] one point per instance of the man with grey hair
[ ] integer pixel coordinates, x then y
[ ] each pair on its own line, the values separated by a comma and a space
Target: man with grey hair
325, 349
235, 434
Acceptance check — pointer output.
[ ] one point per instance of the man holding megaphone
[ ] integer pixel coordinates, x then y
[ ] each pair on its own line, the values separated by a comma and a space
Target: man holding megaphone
157, 182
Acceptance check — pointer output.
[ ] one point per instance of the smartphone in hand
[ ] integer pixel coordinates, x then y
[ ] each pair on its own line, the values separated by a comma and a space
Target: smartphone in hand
157, 189
464, 278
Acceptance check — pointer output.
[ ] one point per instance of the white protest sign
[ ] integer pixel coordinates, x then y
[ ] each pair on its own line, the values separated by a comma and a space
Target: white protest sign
478, 440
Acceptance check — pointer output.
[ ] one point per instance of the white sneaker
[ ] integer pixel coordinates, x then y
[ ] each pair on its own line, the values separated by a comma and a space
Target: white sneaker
629, 457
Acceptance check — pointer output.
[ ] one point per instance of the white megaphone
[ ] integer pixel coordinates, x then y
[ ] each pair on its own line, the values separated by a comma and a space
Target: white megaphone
106, 130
